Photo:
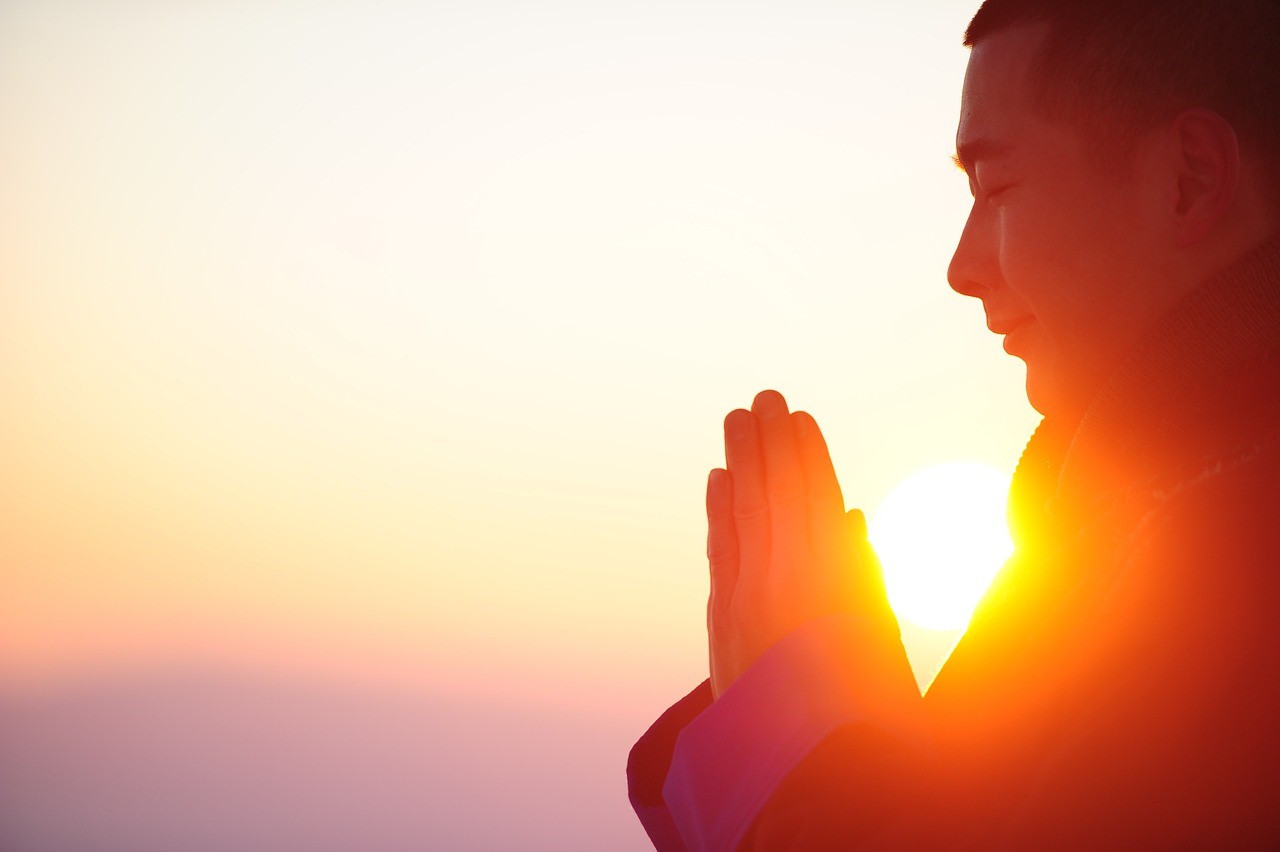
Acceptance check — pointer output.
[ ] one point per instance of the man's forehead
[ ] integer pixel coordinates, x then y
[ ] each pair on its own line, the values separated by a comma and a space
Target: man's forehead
995, 104
1003, 60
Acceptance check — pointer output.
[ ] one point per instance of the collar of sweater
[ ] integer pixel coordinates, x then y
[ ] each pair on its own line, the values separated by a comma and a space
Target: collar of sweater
1151, 413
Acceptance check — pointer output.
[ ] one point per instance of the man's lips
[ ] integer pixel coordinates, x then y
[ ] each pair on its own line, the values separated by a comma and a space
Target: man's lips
1004, 325
1014, 343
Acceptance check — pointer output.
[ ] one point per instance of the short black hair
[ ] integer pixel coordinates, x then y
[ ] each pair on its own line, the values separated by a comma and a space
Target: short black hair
1119, 67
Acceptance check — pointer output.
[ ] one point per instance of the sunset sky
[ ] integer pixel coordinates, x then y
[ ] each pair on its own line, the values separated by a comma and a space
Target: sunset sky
381, 349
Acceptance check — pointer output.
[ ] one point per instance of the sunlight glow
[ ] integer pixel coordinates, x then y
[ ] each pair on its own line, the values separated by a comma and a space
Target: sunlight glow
941, 537
386, 345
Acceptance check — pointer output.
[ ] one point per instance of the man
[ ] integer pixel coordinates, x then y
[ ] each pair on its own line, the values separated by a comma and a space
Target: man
1118, 687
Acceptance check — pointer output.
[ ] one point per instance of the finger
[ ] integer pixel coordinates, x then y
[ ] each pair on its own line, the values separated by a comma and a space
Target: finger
822, 489
820, 484
784, 480
750, 505
722, 543
857, 521
868, 586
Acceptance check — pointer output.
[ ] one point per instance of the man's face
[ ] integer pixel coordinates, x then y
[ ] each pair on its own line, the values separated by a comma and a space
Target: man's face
1066, 258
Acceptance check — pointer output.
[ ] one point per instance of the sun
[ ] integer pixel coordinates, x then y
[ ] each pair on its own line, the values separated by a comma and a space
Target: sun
941, 536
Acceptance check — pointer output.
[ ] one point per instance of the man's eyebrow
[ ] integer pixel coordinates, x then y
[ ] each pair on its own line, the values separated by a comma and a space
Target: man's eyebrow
977, 149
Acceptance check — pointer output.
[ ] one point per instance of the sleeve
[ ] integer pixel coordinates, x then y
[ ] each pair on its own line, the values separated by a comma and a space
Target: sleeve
648, 763
735, 773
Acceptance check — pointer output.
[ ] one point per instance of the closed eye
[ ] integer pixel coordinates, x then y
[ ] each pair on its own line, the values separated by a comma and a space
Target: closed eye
992, 194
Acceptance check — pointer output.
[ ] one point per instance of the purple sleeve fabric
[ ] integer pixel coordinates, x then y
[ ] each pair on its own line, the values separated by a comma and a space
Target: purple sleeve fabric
703, 772
648, 763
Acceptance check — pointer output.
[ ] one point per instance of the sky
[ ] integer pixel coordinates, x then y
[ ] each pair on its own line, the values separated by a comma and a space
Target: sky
361, 366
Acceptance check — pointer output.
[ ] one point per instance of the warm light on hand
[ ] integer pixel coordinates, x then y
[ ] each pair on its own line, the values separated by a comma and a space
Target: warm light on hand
782, 550
941, 537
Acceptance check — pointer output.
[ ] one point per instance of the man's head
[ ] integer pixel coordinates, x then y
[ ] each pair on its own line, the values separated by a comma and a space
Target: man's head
1120, 152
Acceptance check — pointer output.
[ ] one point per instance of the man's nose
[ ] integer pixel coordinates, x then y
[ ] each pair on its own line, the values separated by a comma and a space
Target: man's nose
970, 271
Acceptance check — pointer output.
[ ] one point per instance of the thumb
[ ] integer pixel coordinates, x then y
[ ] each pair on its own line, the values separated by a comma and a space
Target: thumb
868, 574
856, 523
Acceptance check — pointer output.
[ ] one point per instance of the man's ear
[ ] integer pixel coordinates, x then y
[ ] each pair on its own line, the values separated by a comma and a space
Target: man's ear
1207, 164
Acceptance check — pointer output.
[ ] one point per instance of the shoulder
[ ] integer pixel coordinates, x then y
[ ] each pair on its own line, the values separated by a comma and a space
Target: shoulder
1194, 596
1217, 528
1172, 682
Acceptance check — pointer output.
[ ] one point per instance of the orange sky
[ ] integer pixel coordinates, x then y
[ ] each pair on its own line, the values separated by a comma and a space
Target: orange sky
391, 342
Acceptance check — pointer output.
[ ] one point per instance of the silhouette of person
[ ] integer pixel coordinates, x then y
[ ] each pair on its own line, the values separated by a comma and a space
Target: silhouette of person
1118, 687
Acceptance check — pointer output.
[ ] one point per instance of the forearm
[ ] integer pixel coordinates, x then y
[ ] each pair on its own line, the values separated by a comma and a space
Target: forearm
725, 766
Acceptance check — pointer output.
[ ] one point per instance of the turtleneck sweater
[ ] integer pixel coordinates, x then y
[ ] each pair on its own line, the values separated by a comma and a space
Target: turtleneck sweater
1136, 607
1138, 424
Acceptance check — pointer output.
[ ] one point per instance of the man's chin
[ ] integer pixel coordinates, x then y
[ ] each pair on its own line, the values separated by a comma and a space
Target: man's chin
1037, 402
1040, 392
1052, 399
